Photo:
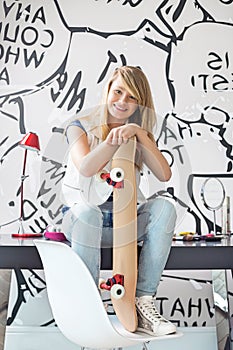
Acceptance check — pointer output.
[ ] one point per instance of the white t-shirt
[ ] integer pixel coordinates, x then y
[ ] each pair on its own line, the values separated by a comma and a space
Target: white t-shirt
77, 188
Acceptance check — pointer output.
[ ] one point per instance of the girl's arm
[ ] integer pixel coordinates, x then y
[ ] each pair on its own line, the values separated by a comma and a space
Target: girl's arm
86, 161
151, 155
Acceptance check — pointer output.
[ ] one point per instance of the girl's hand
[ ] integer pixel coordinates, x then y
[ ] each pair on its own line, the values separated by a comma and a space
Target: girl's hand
122, 134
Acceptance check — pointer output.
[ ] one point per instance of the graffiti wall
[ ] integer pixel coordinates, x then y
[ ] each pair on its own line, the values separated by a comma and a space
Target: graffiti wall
55, 58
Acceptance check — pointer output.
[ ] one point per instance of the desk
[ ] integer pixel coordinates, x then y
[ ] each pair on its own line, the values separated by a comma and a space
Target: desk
200, 255
22, 254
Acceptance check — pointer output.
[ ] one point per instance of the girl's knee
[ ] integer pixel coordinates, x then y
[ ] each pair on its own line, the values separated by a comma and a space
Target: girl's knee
164, 212
162, 205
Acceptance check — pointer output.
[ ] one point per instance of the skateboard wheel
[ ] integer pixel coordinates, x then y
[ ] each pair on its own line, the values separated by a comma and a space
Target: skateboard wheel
117, 174
99, 176
117, 291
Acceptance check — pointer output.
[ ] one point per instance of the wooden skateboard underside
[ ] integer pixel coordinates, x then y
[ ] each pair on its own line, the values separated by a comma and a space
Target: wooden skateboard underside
125, 234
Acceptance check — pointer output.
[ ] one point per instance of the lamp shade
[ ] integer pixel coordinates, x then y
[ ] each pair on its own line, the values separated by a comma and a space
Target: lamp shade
30, 141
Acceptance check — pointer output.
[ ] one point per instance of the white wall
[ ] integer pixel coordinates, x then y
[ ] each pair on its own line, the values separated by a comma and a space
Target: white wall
55, 57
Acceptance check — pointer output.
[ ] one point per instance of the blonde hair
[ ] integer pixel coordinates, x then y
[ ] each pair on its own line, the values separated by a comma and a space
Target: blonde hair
137, 84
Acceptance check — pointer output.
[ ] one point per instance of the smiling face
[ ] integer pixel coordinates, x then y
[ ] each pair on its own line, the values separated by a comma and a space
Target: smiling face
121, 103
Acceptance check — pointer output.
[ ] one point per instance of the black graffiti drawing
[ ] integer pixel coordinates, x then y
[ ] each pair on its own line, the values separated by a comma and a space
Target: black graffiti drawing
25, 286
77, 97
127, 2
218, 128
34, 285
48, 194
70, 92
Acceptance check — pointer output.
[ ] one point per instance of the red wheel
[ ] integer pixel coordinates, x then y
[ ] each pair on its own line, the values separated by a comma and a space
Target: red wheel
117, 174
117, 291
101, 282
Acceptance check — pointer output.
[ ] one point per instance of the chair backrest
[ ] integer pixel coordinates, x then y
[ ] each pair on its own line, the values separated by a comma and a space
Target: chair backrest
75, 301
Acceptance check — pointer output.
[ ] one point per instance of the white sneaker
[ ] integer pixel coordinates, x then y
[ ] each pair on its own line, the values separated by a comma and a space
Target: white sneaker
149, 320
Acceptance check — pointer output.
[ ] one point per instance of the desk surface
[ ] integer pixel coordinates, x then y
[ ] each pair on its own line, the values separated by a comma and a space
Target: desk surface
197, 255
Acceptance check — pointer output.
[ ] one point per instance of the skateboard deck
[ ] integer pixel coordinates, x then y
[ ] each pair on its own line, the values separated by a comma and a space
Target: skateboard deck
125, 234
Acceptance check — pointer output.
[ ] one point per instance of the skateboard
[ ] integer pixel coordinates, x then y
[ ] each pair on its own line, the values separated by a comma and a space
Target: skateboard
123, 283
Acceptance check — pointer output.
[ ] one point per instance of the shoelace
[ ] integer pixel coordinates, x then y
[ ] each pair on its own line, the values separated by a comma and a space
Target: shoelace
151, 311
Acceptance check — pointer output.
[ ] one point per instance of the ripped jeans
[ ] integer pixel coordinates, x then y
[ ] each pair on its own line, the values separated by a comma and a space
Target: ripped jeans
88, 229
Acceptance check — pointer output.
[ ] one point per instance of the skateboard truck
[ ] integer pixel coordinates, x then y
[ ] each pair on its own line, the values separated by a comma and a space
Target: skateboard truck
115, 285
114, 178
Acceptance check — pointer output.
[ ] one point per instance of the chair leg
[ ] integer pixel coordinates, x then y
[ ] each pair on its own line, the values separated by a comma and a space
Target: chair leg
144, 345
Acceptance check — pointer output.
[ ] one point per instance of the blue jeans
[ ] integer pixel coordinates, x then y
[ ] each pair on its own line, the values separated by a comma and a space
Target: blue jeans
88, 229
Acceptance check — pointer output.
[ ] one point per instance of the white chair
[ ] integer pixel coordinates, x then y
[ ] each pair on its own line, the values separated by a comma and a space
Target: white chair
76, 304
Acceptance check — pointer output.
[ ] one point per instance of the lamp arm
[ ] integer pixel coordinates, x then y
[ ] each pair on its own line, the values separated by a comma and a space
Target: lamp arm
23, 177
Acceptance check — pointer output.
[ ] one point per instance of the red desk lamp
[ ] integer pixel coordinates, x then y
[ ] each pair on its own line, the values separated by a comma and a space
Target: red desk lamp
29, 142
